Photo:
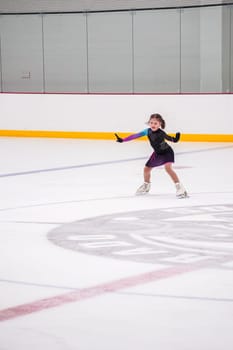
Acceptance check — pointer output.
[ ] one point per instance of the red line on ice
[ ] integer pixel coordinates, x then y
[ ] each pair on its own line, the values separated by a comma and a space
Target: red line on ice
91, 292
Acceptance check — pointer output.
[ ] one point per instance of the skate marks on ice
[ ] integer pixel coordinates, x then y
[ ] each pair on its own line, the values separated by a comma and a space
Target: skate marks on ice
106, 162
168, 236
154, 196
88, 198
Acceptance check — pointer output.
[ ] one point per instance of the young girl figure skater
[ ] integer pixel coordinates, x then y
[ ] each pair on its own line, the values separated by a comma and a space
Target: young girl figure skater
163, 153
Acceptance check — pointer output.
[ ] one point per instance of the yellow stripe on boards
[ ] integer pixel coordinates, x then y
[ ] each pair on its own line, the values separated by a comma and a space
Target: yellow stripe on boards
207, 137
109, 135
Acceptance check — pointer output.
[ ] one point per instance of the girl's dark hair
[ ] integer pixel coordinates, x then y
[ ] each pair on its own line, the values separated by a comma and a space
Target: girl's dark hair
159, 118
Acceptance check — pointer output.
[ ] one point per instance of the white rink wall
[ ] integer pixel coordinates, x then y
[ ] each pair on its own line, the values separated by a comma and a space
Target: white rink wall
192, 114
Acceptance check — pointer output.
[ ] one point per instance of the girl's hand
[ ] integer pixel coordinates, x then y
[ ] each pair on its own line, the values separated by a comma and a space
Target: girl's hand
177, 137
118, 139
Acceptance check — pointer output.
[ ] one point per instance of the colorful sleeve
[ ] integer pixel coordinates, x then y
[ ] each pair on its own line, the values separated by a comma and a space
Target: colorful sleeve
136, 136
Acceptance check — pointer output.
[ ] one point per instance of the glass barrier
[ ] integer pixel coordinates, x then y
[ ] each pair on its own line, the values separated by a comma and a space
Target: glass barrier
187, 50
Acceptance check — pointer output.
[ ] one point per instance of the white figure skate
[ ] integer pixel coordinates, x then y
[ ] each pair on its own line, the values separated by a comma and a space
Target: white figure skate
143, 189
180, 191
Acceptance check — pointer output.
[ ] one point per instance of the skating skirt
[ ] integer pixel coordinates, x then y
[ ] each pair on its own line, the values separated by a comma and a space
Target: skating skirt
160, 159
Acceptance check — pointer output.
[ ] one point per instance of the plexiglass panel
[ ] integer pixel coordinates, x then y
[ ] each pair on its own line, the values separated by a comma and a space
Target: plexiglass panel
110, 52
231, 49
22, 58
190, 50
211, 49
226, 47
153, 51
0, 59
65, 53
157, 51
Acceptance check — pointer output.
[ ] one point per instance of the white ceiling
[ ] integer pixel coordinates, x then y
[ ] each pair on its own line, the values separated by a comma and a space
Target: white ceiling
30, 6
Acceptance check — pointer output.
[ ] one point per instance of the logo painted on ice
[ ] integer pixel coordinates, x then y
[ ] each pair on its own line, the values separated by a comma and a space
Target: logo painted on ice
158, 236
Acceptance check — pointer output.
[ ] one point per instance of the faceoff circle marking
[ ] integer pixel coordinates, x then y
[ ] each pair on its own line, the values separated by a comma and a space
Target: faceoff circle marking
159, 236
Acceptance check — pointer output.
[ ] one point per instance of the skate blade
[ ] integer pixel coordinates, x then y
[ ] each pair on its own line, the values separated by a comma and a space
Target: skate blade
141, 193
183, 195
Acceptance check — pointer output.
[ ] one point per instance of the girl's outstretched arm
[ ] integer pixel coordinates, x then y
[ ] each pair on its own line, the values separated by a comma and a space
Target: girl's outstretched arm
171, 138
132, 136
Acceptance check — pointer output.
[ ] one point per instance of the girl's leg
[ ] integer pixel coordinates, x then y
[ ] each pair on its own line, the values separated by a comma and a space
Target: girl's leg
171, 172
147, 174
145, 187
180, 190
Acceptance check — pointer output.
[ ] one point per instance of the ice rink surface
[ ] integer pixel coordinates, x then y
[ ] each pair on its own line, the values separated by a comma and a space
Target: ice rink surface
87, 265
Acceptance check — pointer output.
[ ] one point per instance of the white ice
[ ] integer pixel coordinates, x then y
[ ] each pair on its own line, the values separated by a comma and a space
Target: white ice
82, 179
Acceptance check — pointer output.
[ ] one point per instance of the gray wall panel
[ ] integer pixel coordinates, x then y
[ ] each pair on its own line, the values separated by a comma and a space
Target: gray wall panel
0, 58
190, 50
65, 53
226, 47
22, 58
157, 51
231, 49
110, 52
211, 49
